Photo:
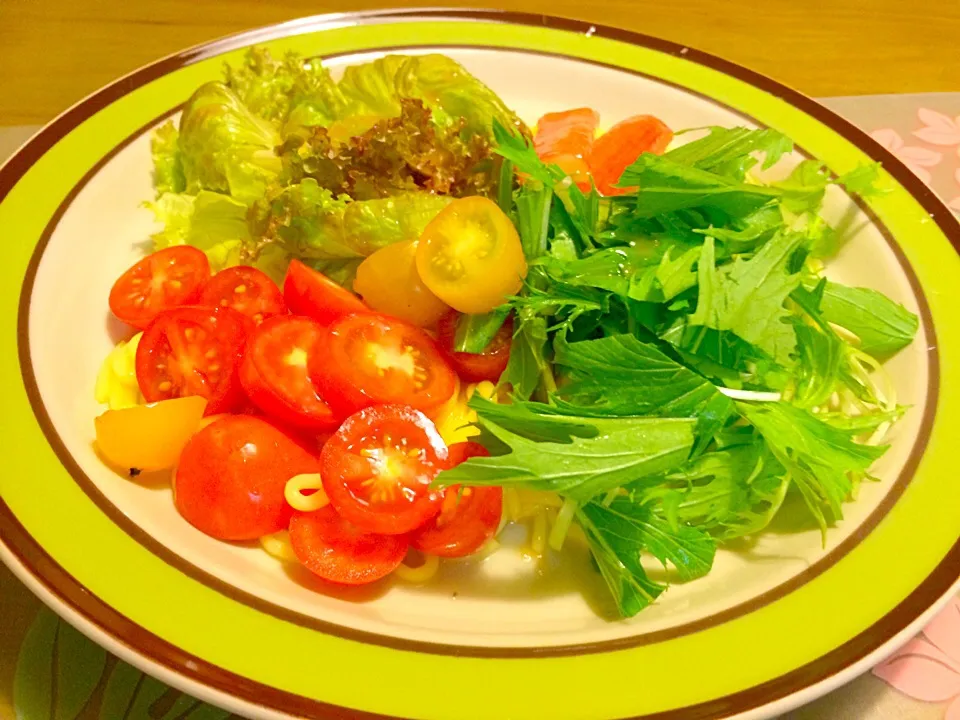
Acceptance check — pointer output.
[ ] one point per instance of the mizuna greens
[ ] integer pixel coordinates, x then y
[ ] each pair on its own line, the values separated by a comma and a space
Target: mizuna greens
679, 366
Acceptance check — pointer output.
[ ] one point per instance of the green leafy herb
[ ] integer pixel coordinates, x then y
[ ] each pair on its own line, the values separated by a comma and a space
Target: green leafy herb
616, 451
822, 460
669, 186
619, 533
476, 332
882, 325
730, 493
747, 297
647, 382
730, 151
528, 363
618, 558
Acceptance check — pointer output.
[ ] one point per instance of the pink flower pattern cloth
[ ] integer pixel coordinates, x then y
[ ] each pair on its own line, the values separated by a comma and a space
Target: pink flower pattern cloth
935, 129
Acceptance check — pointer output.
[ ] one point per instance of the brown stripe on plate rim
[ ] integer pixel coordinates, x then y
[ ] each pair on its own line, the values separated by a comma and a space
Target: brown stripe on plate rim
867, 642
282, 613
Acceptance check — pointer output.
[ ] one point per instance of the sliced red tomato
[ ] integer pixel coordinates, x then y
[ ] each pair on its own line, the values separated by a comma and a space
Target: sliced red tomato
373, 360
194, 351
619, 147
231, 477
566, 139
246, 290
274, 372
313, 294
163, 280
469, 516
329, 546
378, 467
476, 367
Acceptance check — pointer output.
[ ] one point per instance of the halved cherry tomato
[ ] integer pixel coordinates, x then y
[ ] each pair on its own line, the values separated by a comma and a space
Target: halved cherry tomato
470, 255
274, 372
194, 351
246, 290
476, 367
621, 145
165, 279
148, 437
389, 283
468, 516
230, 480
372, 360
313, 294
566, 139
329, 546
377, 469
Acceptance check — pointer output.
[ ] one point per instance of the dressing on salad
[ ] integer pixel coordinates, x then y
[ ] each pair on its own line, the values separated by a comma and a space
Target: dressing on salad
384, 319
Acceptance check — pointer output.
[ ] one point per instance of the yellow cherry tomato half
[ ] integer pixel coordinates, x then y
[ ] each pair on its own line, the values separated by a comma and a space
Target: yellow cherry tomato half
389, 283
470, 256
148, 437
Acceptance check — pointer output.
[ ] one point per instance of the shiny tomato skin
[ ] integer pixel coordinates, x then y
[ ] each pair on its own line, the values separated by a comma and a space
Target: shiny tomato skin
194, 351
619, 147
274, 372
470, 256
338, 552
377, 469
389, 283
468, 517
230, 480
476, 367
311, 293
245, 289
372, 360
161, 281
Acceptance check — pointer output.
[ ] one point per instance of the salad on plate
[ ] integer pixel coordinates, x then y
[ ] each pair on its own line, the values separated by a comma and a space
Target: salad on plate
385, 320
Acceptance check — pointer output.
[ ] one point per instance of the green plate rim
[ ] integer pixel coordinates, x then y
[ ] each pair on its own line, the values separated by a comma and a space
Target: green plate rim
10, 528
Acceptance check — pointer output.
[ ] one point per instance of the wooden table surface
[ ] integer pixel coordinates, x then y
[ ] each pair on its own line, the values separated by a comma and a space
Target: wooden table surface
53, 52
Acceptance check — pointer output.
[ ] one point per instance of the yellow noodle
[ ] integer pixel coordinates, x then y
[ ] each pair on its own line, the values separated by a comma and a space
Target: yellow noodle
561, 526
511, 502
538, 535
116, 384
293, 492
421, 573
279, 546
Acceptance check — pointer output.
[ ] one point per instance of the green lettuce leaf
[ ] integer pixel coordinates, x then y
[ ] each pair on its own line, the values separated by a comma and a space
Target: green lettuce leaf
225, 147
291, 93
216, 224
452, 93
309, 222
167, 164
371, 88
